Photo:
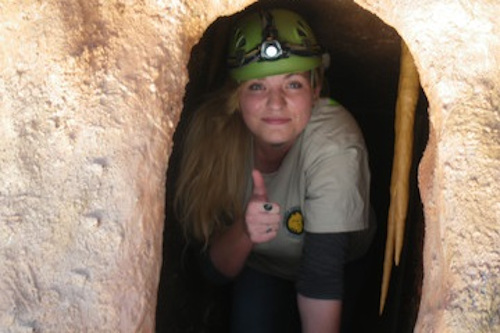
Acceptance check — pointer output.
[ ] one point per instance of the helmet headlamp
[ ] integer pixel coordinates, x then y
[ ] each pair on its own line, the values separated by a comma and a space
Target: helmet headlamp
271, 50
272, 42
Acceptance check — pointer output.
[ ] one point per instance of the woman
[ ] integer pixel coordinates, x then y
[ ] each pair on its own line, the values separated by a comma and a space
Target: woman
274, 181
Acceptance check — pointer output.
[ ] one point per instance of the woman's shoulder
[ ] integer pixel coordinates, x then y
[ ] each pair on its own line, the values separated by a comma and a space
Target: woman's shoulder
332, 123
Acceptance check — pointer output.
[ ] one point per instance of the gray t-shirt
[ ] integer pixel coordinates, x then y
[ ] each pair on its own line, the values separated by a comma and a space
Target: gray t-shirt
322, 186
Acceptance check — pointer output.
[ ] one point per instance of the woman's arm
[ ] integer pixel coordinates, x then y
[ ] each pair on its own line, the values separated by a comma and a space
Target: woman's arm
230, 250
320, 282
319, 315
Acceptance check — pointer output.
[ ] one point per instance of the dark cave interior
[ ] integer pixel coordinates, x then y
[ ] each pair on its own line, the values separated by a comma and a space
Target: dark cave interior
363, 76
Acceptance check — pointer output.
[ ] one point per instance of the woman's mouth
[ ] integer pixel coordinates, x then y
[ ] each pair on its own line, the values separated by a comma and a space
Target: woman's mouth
275, 120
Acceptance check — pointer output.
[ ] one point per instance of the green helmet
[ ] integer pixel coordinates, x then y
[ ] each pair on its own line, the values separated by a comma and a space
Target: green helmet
272, 42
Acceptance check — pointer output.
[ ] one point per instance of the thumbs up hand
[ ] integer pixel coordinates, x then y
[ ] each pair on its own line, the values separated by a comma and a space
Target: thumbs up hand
262, 218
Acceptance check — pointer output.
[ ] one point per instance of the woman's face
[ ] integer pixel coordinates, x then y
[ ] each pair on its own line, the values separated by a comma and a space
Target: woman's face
277, 108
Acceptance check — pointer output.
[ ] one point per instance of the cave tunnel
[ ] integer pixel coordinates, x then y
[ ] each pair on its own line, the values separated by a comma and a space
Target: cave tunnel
91, 93
363, 76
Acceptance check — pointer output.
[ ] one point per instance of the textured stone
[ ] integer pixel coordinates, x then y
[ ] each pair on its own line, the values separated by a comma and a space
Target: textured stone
90, 93
456, 45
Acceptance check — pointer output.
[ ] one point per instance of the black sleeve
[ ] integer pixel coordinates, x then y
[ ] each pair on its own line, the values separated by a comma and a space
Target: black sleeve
321, 273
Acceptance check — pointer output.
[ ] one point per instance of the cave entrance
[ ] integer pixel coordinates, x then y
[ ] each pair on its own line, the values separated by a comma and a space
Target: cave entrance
363, 76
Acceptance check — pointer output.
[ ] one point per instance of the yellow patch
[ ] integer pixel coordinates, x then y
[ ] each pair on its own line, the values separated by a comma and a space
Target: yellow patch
295, 222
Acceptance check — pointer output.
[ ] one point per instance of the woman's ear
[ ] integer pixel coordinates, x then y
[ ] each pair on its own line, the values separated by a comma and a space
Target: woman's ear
317, 91
317, 76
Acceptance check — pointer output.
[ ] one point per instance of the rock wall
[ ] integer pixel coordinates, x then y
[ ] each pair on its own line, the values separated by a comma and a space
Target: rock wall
456, 46
90, 94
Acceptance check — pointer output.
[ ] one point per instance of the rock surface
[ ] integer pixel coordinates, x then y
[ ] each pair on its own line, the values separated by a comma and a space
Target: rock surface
90, 94
456, 46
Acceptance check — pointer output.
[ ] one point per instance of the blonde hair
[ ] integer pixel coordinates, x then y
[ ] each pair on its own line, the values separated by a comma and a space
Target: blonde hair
211, 183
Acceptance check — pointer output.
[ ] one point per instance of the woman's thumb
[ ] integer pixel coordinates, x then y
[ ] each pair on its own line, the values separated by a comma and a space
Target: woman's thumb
259, 185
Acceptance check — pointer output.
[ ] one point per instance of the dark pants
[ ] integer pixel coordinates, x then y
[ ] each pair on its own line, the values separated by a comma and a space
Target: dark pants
263, 303
266, 304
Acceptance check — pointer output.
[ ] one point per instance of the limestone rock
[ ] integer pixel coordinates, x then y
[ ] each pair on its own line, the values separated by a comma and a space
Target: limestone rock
90, 93
456, 45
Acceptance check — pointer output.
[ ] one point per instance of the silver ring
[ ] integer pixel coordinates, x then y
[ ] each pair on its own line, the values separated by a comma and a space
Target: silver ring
268, 230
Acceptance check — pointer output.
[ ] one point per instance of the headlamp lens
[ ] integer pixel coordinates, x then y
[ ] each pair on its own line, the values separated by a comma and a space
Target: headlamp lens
271, 50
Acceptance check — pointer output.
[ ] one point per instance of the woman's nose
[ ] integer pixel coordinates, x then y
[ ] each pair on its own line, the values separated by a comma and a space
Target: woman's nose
276, 99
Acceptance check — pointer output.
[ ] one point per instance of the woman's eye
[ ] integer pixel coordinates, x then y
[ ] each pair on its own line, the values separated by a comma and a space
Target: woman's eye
295, 85
256, 86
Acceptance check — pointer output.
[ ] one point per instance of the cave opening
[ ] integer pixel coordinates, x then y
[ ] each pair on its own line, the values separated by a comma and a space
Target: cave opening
363, 76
